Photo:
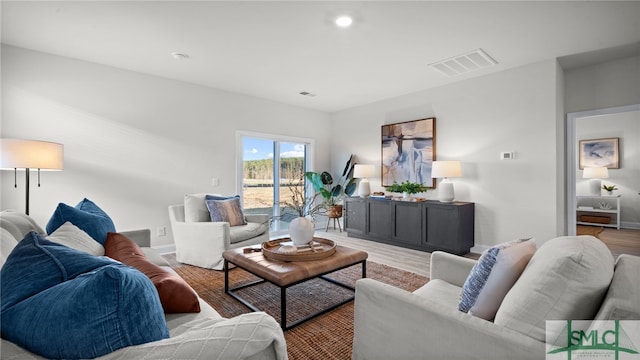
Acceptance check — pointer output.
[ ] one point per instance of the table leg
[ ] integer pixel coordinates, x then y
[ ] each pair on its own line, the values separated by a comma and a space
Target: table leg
283, 308
226, 276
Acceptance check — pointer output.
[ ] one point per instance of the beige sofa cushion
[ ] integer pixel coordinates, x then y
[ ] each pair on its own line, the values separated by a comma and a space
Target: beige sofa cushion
245, 232
195, 209
622, 301
566, 279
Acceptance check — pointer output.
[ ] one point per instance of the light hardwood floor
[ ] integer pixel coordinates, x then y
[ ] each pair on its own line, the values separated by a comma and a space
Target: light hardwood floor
623, 241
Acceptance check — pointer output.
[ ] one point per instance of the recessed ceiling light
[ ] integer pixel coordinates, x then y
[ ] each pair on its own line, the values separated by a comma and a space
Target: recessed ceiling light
344, 21
179, 56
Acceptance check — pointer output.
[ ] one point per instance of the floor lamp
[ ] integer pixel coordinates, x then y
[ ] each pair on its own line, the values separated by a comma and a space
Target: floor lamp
18, 154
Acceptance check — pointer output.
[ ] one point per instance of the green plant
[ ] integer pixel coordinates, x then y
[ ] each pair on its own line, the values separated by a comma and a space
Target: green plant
323, 184
408, 187
609, 187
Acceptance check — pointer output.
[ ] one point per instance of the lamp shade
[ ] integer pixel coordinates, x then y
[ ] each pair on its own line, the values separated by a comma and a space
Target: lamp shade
362, 171
595, 173
31, 154
446, 169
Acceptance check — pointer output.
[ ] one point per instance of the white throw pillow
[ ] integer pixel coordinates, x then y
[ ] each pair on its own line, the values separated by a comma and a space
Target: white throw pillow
566, 279
72, 236
195, 208
493, 276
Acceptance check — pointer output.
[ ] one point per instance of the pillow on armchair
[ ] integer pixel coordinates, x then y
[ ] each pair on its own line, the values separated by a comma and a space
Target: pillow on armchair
228, 210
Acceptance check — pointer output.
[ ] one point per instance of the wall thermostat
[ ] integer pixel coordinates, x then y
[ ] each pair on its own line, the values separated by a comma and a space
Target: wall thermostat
507, 155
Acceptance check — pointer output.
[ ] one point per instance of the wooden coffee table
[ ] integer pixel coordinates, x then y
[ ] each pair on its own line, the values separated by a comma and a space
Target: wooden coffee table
286, 274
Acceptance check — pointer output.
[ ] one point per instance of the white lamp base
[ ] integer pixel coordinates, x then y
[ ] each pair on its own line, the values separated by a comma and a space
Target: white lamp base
364, 189
594, 186
445, 191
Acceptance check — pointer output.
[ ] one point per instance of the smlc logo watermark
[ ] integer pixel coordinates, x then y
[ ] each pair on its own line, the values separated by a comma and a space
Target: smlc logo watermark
593, 340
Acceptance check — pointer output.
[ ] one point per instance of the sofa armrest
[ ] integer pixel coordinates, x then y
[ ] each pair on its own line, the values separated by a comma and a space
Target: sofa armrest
390, 323
141, 237
451, 268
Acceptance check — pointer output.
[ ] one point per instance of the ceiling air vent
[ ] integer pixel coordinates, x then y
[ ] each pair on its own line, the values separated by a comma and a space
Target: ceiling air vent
473, 60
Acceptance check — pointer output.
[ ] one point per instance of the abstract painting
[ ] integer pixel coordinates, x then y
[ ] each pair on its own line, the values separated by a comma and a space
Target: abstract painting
408, 150
599, 153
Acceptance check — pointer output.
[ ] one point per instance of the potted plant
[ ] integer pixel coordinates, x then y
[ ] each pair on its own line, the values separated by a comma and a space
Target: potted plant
609, 188
333, 192
407, 188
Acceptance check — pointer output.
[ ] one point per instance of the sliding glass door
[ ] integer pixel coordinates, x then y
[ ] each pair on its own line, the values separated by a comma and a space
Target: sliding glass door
272, 170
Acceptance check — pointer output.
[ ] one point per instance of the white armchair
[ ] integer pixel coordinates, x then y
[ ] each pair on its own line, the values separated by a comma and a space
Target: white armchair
202, 243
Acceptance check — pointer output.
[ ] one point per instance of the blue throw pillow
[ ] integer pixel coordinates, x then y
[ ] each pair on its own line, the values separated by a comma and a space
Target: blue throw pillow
216, 197
87, 216
96, 313
477, 278
36, 264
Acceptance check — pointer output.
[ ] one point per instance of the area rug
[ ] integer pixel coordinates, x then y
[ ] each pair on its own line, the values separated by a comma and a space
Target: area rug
589, 230
329, 336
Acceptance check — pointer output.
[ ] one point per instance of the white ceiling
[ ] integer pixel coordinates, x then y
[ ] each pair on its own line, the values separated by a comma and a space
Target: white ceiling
275, 50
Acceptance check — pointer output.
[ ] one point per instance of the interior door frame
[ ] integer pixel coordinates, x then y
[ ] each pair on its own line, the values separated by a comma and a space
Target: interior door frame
572, 143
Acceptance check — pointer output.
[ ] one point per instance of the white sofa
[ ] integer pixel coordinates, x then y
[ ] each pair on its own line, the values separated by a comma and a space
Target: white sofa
203, 335
202, 243
391, 323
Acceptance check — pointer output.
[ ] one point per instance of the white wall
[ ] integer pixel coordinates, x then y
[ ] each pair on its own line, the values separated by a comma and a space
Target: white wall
514, 110
133, 143
613, 83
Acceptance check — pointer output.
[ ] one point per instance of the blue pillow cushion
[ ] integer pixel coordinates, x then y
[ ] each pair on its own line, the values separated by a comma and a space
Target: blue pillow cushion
477, 278
87, 216
36, 264
218, 197
59, 302
96, 313
228, 210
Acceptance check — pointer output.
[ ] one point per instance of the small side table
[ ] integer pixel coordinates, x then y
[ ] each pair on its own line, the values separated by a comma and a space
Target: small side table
336, 219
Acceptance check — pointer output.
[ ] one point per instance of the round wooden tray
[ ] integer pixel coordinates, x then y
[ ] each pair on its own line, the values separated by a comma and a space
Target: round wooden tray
270, 250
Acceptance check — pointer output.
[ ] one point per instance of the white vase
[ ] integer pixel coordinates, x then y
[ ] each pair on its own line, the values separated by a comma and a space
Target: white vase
301, 230
406, 195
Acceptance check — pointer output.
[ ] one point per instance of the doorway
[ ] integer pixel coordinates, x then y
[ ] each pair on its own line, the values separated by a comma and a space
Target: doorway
624, 177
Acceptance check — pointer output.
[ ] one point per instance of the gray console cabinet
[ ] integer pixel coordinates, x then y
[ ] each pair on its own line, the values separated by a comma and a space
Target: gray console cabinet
427, 226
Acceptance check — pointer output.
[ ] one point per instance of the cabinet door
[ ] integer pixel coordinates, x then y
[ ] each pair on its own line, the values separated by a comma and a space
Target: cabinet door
449, 227
379, 221
407, 223
355, 221
441, 226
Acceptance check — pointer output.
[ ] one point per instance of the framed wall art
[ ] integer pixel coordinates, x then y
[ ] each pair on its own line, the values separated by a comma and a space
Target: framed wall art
408, 151
599, 153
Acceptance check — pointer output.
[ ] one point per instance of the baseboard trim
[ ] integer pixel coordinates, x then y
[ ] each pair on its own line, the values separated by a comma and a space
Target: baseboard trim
629, 225
165, 249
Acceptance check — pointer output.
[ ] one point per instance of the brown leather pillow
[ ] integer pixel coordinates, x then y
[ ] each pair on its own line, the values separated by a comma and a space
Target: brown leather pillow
175, 294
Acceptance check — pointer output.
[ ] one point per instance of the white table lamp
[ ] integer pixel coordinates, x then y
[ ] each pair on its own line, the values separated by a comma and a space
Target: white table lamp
362, 172
595, 174
446, 170
21, 154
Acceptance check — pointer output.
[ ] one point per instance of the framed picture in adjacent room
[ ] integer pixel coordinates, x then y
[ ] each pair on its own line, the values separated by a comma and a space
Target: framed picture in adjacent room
599, 153
408, 151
